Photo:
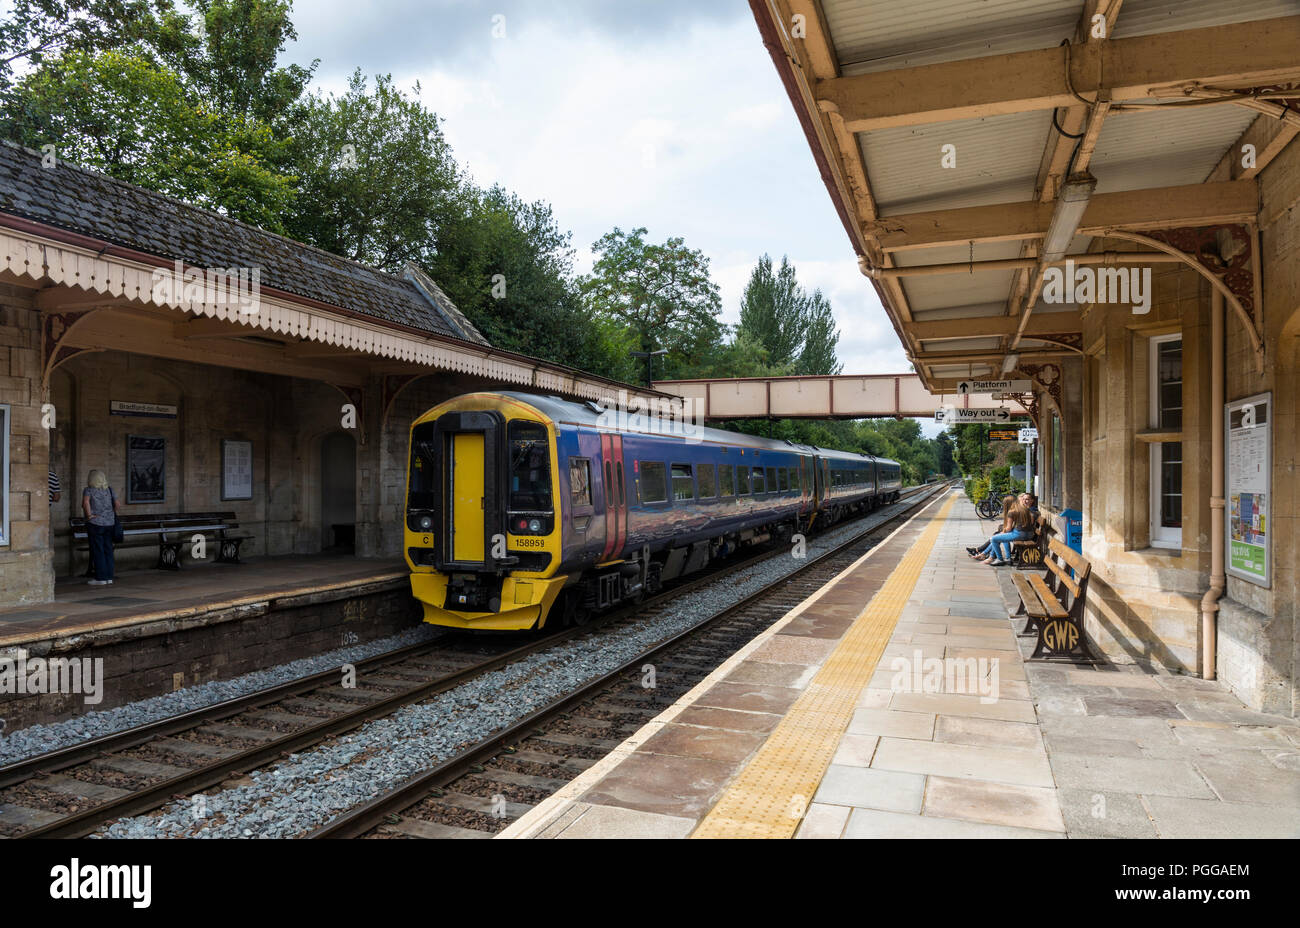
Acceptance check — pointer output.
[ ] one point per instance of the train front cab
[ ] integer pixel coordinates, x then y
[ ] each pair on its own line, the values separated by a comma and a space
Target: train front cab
482, 534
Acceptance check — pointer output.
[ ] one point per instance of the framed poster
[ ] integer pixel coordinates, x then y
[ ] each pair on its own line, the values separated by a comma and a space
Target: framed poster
146, 469
236, 469
1248, 456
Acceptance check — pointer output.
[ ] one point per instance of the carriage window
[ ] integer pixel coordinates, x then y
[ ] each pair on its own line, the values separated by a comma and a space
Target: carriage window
683, 482
622, 497
579, 482
708, 488
727, 480
742, 481
757, 477
530, 467
773, 485
652, 486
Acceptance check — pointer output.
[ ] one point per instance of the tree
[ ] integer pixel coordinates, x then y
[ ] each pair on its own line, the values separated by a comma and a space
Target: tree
662, 293
377, 178
38, 30
124, 114
947, 463
796, 328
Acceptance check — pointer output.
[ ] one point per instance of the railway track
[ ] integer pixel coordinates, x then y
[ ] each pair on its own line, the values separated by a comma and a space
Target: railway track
480, 791
73, 791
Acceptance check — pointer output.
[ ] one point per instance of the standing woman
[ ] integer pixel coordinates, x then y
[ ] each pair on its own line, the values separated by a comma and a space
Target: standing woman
99, 503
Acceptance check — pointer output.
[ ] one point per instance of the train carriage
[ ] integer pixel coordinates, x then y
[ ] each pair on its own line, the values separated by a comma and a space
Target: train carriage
521, 507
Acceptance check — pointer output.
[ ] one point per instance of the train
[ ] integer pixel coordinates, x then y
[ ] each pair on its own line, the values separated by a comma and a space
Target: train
526, 511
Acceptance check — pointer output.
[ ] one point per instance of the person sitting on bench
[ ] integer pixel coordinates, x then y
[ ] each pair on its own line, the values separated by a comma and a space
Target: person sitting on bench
986, 549
1017, 525
1030, 502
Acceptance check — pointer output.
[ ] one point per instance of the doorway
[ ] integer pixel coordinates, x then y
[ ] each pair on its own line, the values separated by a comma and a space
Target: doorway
338, 492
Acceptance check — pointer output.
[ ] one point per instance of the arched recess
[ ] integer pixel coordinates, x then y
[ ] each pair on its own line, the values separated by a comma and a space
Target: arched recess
338, 491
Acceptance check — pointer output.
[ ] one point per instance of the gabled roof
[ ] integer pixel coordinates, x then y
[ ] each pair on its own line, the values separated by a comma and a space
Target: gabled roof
86, 202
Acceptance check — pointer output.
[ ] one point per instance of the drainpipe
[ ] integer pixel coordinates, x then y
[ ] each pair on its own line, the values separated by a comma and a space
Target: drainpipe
1218, 579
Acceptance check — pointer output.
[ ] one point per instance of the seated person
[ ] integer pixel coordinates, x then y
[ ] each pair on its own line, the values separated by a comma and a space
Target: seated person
1016, 526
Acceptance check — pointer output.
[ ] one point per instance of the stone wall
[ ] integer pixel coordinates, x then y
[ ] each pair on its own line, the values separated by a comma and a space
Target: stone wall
25, 562
285, 419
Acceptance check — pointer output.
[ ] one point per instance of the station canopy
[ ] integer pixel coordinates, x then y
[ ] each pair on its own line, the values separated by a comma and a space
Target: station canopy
970, 146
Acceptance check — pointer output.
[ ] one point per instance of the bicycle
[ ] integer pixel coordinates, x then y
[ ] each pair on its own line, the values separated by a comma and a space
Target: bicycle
990, 507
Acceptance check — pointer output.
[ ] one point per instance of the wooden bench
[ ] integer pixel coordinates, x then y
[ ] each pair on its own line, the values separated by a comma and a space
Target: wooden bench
171, 531
1032, 552
1059, 625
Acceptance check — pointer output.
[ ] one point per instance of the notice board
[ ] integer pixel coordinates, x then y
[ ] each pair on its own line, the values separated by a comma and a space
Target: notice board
1248, 494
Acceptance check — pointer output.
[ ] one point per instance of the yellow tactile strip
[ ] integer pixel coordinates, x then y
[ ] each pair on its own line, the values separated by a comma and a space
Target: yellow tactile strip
767, 799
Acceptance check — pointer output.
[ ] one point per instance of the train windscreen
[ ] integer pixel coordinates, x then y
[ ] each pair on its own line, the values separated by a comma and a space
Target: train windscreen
424, 475
530, 467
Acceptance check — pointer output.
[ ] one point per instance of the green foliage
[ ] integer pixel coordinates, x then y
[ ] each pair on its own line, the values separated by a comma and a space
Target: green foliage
662, 293
378, 182
795, 328
122, 113
36, 31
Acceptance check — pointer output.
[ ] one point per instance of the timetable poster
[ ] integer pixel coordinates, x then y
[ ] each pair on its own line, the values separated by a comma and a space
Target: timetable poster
236, 469
1249, 467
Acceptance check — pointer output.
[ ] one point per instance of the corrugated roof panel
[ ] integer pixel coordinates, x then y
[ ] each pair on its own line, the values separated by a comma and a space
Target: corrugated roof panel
964, 311
961, 344
1146, 17
997, 162
937, 291
1137, 150
877, 35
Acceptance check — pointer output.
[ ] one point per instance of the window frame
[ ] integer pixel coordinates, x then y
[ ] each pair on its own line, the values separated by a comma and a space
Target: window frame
726, 481
588, 506
701, 470
1161, 536
689, 476
6, 424
640, 482
743, 485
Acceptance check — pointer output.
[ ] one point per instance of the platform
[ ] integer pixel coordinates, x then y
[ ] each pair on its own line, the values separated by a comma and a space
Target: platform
141, 596
157, 631
826, 726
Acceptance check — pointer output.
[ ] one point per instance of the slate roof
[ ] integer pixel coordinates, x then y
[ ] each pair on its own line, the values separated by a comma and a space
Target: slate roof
78, 200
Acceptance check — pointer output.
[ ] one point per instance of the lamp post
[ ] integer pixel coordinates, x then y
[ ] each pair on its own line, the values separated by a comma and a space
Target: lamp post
649, 363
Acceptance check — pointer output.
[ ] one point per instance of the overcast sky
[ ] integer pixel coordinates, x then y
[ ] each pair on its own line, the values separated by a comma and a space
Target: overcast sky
662, 113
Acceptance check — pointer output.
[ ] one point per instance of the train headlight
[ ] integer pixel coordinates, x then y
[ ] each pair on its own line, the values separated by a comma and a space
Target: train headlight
426, 523
535, 526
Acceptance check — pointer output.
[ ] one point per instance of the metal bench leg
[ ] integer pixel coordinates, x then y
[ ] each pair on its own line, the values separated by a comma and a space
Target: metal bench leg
228, 552
169, 555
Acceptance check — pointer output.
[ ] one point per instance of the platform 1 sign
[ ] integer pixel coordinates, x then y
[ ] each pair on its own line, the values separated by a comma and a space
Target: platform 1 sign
966, 387
951, 414
1003, 434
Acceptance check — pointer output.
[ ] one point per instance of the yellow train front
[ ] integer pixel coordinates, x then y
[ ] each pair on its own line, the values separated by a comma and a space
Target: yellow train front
482, 537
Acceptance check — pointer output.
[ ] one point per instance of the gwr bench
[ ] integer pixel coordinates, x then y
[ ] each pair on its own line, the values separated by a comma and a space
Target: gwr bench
1032, 551
171, 531
1059, 626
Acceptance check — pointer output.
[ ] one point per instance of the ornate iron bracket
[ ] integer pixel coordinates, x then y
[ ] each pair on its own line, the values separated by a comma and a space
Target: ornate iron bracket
1227, 255
54, 329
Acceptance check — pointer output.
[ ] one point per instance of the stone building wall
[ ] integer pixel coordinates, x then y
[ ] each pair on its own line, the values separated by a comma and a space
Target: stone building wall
285, 419
25, 562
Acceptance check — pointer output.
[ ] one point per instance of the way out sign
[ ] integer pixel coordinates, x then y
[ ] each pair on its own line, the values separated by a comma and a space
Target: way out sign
994, 386
1028, 436
950, 415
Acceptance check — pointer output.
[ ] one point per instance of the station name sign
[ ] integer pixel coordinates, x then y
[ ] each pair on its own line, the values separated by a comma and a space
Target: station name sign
995, 386
951, 414
147, 410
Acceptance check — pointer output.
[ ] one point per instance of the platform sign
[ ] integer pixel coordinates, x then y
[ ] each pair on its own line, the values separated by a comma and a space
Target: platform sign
966, 387
1003, 434
1248, 490
951, 415
1028, 436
